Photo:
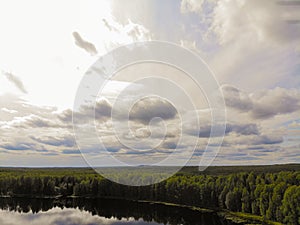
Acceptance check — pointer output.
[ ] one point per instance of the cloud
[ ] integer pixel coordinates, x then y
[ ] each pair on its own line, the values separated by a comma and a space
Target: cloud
263, 104
249, 43
11, 111
240, 129
36, 121
108, 26
169, 144
30, 121
66, 116
256, 20
71, 152
17, 146
52, 137
142, 132
250, 140
16, 81
100, 112
269, 103
87, 46
236, 98
243, 129
67, 140
114, 33
147, 109
191, 6
22, 145
127, 33
191, 45
14, 107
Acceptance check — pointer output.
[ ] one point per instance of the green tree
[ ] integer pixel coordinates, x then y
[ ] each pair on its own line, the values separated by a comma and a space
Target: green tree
291, 205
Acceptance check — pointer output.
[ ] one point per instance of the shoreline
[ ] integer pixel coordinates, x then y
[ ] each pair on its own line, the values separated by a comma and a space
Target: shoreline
236, 217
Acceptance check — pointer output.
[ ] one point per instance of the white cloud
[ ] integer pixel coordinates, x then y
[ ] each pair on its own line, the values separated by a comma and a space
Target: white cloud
118, 34
31, 121
249, 43
191, 6
255, 20
9, 110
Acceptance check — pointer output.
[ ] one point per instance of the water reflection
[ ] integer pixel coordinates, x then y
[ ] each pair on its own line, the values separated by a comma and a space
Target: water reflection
98, 211
66, 216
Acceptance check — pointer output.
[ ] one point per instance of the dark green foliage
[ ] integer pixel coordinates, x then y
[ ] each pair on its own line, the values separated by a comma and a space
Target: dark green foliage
291, 205
262, 191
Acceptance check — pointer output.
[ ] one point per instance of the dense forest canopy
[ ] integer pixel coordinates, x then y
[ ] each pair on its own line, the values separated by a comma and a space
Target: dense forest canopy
270, 191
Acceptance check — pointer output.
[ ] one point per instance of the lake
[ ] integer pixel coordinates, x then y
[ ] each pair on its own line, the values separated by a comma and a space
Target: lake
25, 211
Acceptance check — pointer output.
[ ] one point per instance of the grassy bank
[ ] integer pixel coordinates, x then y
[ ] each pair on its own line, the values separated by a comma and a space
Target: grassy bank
245, 218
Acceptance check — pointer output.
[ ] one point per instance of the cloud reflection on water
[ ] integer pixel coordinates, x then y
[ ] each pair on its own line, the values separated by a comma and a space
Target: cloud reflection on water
66, 216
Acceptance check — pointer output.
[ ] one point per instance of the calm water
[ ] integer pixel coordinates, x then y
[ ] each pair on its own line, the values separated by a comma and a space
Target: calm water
16, 211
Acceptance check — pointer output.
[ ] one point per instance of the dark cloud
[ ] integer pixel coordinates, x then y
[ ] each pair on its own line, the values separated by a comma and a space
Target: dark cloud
237, 99
23, 146
16, 81
275, 102
205, 131
244, 129
246, 158
241, 129
67, 152
102, 109
143, 112
253, 140
169, 145
263, 104
100, 112
147, 109
87, 46
18, 146
66, 116
267, 140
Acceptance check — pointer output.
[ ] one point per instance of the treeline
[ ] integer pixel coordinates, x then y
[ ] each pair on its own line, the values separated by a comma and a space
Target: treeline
275, 196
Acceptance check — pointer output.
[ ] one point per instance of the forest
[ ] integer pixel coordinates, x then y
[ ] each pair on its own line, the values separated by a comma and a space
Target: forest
272, 192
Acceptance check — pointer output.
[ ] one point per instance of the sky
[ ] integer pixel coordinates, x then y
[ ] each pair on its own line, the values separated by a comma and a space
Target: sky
252, 49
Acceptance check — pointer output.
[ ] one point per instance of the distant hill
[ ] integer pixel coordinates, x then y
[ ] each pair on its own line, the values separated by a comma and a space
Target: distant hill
193, 170
225, 170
